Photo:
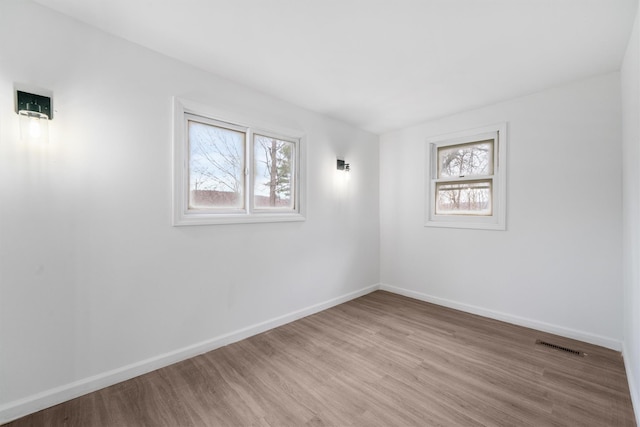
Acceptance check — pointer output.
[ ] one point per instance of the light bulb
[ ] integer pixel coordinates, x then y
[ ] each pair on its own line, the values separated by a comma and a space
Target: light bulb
34, 126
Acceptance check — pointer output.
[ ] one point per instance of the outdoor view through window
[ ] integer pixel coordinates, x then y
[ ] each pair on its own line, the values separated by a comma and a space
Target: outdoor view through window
216, 167
217, 178
464, 183
273, 163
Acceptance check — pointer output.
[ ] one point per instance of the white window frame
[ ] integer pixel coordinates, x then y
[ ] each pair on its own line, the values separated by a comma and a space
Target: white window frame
497, 219
182, 215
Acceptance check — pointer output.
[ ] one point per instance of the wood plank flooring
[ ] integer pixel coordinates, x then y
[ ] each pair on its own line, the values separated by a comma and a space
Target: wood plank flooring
379, 360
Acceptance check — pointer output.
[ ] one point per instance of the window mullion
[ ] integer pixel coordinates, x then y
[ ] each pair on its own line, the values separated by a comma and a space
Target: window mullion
249, 171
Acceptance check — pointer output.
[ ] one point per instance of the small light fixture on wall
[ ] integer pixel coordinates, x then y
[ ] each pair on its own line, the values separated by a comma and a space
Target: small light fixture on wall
342, 166
35, 112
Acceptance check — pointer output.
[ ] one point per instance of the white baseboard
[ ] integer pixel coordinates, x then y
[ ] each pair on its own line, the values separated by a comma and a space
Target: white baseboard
631, 379
509, 318
48, 398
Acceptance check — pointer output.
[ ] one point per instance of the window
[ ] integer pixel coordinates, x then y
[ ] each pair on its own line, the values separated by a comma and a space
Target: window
466, 182
274, 161
233, 172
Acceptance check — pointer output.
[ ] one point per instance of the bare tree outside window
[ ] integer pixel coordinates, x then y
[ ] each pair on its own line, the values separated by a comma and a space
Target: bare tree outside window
465, 160
467, 197
216, 166
471, 198
273, 177
216, 169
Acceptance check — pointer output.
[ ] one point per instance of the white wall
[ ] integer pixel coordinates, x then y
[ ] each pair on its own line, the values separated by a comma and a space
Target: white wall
630, 83
558, 265
95, 283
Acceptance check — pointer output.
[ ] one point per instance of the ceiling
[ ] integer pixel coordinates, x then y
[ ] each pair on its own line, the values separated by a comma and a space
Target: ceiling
377, 64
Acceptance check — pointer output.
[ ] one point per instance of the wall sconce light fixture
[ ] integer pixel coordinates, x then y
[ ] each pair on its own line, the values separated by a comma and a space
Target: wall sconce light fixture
35, 112
342, 166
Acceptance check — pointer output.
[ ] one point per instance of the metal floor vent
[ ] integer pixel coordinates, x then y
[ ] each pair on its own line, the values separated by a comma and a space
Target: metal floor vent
561, 348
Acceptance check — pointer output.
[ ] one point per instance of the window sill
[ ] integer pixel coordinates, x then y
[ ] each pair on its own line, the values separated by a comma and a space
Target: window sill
461, 223
220, 219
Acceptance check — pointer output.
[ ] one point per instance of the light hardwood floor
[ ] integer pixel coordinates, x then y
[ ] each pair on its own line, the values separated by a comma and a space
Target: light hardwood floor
379, 360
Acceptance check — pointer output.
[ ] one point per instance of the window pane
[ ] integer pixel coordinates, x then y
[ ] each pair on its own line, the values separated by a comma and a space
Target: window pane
461, 160
464, 198
216, 166
274, 173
